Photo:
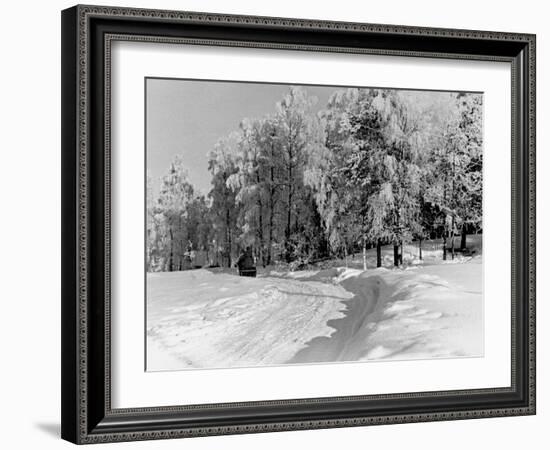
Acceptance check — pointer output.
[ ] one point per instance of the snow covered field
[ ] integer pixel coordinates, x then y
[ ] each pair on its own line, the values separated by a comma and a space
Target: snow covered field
207, 319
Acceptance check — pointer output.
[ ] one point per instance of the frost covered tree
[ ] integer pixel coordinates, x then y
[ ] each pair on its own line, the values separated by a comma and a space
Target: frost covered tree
457, 164
325, 175
152, 242
258, 183
371, 168
270, 144
199, 225
222, 165
470, 208
276, 208
178, 222
407, 133
368, 170
247, 182
299, 135
171, 216
380, 170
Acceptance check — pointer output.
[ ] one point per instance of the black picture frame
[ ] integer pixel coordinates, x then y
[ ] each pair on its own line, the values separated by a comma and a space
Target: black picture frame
87, 33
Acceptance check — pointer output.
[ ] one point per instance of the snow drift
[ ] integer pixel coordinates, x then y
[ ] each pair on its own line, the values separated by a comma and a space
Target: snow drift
201, 319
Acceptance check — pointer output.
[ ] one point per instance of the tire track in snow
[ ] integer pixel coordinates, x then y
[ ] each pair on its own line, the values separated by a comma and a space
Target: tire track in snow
347, 342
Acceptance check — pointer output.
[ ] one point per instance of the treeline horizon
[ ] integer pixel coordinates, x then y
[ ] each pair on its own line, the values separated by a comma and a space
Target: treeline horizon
373, 167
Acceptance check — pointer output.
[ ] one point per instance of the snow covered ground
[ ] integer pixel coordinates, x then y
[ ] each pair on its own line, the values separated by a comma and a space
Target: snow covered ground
207, 319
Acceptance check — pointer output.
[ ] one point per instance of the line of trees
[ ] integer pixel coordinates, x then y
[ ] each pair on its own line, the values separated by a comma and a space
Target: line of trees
374, 167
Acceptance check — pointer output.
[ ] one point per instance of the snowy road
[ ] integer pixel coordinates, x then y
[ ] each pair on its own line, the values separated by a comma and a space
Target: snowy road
348, 341
200, 319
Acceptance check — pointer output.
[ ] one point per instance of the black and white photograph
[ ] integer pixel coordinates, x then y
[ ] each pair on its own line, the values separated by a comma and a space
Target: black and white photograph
276, 220
299, 224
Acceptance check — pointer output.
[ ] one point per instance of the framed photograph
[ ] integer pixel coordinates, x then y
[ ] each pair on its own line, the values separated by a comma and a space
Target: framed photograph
278, 224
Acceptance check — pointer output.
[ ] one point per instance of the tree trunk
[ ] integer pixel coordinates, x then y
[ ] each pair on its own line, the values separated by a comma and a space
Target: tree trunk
270, 239
271, 216
260, 224
346, 255
445, 244
182, 247
453, 239
289, 206
271, 209
463, 238
364, 254
445, 220
420, 249
171, 259
396, 255
287, 230
453, 203
401, 254
261, 237
229, 243
378, 253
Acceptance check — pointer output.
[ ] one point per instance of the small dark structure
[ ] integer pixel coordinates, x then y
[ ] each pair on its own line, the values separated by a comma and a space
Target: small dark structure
246, 265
